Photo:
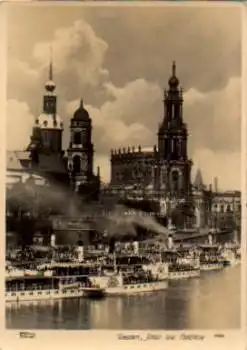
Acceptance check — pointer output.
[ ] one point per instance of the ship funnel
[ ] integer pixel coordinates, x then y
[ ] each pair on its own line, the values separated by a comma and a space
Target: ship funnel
112, 245
210, 239
136, 247
235, 236
53, 240
170, 241
80, 253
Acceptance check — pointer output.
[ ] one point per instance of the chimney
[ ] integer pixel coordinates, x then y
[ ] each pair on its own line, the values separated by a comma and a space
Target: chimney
210, 239
53, 240
170, 241
80, 253
136, 247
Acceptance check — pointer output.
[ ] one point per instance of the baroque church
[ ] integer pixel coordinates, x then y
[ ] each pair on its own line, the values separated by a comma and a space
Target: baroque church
166, 167
159, 176
162, 174
44, 160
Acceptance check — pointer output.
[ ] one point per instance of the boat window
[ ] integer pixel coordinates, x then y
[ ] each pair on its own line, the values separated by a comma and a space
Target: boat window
13, 294
22, 293
30, 293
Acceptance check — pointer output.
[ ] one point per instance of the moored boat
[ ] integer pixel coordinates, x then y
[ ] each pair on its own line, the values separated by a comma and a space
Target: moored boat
183, 272
210, 258
230, 257
28, 288
183, 264
129, 282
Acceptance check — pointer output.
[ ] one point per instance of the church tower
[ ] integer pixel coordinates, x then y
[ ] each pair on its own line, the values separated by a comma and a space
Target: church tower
80, 151
172, 141
48, 128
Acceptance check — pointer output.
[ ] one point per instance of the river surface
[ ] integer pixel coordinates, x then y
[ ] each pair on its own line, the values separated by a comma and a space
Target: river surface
210, 302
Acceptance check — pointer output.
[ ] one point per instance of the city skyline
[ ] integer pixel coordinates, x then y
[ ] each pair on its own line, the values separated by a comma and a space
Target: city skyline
122, 83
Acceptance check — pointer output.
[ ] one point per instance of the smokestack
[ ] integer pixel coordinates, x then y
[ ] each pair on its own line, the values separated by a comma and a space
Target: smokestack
136, 247
210, 239
170, 242
235, 236
216, 185
170, 226
112, 245
80, 253
53, 240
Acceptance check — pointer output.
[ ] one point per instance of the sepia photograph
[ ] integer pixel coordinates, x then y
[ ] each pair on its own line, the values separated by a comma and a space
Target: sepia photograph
123, 167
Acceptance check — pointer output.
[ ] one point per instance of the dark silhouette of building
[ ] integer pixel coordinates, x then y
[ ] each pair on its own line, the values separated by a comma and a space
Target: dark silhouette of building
166, 167
44, 156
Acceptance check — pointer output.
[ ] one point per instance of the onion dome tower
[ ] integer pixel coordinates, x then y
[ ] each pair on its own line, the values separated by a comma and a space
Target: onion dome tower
81, 150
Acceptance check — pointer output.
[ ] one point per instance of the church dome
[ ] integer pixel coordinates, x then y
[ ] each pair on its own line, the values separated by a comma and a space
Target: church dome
50, 86
81, 113
49, 121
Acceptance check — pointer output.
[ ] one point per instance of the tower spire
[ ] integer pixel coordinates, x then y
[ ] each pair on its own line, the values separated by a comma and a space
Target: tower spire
50, 85
51, 65
173, 68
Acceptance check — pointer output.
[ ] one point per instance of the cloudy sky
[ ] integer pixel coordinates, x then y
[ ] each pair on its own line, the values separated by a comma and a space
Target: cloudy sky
118, 58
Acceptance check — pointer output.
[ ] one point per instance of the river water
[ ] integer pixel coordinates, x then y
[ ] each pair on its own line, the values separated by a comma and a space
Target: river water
210, 302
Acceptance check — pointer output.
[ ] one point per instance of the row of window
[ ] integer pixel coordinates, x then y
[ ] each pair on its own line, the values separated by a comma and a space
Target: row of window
226, 208
13, 294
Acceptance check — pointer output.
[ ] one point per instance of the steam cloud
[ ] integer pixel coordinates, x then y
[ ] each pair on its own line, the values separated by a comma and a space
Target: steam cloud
118, 221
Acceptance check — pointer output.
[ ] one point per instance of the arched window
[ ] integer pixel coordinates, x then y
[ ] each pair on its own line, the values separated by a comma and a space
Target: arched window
228, 208
77, 164
175, 180
222, 208
77, 138
173, 112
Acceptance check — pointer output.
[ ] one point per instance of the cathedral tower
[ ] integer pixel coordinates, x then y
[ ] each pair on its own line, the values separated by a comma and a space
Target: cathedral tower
80, 151
48, 128
172, 141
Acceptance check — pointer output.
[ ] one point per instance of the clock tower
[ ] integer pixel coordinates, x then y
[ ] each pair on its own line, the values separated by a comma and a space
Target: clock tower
80, 151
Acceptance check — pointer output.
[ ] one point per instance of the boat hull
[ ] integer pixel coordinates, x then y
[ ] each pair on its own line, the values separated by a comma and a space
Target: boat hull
211, 267
178, 275
37, 295
233, 262
130, 289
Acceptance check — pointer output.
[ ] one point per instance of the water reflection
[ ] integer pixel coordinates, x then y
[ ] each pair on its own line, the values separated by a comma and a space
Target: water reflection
211, 302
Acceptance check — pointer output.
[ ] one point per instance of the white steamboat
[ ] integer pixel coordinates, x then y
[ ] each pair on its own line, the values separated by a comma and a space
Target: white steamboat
41, 287
130, 282
210, 258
